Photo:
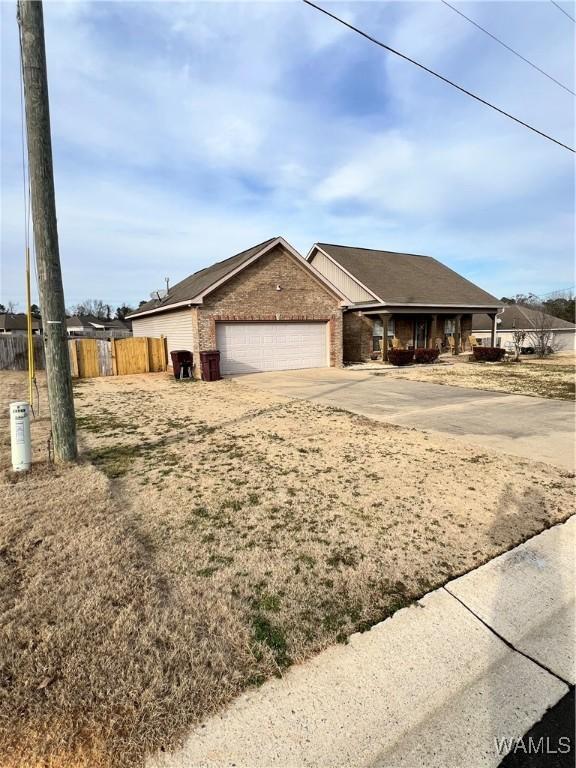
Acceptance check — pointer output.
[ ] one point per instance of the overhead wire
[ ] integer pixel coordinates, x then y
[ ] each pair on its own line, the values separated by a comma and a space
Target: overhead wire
508, 47
563, 11
439, 76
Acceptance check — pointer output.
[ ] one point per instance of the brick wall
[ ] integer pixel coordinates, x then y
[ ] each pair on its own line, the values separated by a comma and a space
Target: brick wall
466, 326
252, 295
357, 335
404, 329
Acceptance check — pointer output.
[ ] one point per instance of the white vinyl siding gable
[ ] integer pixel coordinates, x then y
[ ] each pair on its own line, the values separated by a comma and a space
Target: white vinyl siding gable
334, 274
175, 326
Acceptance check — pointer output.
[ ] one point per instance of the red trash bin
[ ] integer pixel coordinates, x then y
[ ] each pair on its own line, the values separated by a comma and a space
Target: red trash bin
181, 363
210, 364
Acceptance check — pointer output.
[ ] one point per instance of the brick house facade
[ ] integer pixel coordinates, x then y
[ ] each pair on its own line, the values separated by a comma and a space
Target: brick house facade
296, 313
252, 295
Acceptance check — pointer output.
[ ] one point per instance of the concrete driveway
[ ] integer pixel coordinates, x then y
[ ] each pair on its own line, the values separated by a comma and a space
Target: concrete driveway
531, 427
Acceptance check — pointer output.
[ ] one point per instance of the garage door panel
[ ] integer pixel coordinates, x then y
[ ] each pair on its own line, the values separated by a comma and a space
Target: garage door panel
251, 347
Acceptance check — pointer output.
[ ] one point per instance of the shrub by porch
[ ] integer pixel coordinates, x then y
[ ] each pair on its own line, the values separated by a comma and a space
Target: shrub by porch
488, 354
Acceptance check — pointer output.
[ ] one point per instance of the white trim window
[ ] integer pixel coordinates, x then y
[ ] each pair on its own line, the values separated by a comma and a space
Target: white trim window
377, 332
450, 326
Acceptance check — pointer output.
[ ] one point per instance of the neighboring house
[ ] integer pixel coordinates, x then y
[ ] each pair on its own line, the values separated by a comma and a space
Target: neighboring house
265, 309
414, 299
518, 317
86, 325
16, 324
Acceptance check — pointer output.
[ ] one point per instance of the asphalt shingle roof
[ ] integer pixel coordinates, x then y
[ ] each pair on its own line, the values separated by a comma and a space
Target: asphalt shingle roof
89, 321
194, 284
16, 321
520, 317
405, 278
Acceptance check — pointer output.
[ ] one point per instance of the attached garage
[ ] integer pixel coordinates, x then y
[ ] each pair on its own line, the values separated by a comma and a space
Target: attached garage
264, 309
253, 347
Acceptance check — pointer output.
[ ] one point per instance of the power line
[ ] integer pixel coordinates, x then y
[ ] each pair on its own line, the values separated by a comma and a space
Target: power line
505, 45
563, 11
440, 77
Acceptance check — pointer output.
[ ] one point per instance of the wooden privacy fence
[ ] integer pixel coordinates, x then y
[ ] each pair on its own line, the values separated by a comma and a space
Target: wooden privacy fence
116, 357
90, 357
14, 352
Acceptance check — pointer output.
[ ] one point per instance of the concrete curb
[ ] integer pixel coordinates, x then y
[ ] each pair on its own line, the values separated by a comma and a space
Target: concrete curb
435, 685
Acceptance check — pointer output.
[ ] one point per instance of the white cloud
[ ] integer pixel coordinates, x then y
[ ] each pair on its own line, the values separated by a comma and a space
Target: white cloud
186, 131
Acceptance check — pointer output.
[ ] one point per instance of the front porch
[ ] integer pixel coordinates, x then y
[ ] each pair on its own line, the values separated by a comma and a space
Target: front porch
414, 328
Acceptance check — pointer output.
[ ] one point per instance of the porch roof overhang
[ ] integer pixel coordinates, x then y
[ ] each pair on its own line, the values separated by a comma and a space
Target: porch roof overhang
425, 309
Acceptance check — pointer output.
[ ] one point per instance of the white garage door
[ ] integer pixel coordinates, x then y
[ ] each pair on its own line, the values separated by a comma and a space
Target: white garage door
252, 347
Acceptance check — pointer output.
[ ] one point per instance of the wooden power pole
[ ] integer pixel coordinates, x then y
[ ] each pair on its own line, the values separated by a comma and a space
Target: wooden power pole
30, 19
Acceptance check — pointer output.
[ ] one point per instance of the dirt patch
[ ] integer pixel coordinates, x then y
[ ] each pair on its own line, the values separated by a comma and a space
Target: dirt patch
546, 378
214, 535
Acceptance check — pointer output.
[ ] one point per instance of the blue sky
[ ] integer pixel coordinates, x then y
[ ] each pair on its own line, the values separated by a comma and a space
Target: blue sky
185, 132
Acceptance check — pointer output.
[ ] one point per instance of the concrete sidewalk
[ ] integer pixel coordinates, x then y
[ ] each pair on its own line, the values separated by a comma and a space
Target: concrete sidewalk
531, 427
434, 685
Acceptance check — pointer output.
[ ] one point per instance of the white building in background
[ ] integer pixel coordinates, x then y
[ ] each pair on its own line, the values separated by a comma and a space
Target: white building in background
518, 317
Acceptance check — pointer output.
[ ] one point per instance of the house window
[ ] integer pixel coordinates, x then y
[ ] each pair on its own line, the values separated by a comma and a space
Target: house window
377, 332
450, 326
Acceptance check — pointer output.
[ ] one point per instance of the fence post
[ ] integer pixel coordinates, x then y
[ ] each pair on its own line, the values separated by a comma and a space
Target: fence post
147, 349
114, 359
164, 355
73, 357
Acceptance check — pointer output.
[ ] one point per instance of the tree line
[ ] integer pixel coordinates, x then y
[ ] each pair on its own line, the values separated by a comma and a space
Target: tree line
562, 307
93, 307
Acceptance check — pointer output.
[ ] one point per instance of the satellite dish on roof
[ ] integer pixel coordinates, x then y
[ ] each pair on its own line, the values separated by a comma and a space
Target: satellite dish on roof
159, 295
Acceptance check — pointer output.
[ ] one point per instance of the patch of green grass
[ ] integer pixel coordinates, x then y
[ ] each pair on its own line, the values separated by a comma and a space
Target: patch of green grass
115, 460
307, 560
104, 423
273, 636
268, 602
234, 504
344, 556
208, 571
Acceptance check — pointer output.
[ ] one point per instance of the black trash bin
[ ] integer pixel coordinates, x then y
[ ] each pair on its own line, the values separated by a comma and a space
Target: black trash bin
182, 363
210, 364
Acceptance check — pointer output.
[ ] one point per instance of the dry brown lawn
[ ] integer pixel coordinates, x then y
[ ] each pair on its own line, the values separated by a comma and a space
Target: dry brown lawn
551, 378
211, 536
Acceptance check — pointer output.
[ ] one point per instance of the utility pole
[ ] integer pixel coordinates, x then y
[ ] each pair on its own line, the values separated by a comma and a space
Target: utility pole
60, 395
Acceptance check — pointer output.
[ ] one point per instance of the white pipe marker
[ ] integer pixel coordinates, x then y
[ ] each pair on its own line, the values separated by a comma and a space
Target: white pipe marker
20, 436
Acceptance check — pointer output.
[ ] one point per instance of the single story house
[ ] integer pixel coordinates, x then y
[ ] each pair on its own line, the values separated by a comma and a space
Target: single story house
16, 324
87, 325
414, 299
518, 317
268, 308
265, 309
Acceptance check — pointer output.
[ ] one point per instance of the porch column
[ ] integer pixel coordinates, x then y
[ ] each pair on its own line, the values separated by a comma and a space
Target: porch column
494, 329
458, 335
433, 332
384, 319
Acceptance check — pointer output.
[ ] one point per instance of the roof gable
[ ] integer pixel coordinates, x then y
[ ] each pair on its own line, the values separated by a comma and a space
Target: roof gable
405, 278
192, 289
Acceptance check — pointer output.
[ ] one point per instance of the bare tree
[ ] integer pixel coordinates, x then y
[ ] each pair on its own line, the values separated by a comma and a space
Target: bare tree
518, 338
94, 307
541, 337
